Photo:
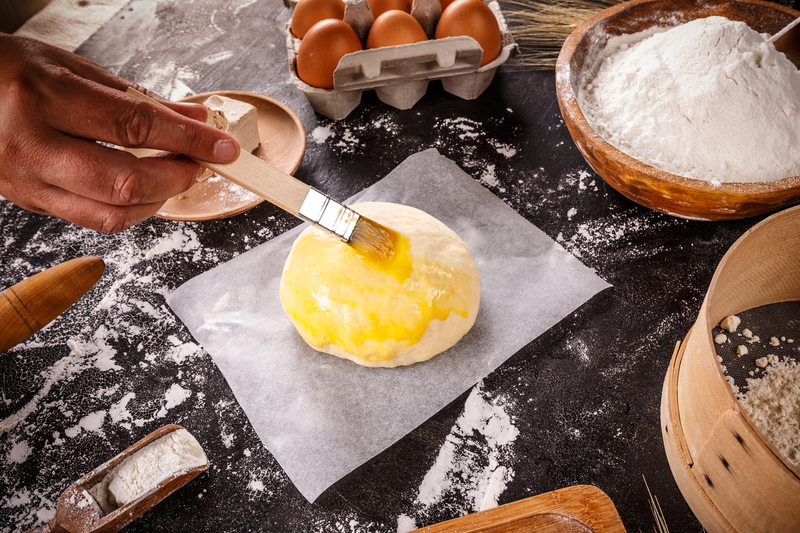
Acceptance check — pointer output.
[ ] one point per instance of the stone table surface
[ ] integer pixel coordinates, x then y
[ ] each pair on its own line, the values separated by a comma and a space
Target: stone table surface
584, 397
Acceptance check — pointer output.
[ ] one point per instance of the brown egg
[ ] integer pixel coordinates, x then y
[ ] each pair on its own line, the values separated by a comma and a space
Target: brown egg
393, 28
472, 18
309, 12
379, 7
445, 3
322, 48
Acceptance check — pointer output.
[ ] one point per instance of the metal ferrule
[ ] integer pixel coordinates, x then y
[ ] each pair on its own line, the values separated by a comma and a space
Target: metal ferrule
328, 214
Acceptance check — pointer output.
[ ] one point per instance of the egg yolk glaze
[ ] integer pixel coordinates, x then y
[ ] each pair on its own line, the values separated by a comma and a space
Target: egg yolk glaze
337, 298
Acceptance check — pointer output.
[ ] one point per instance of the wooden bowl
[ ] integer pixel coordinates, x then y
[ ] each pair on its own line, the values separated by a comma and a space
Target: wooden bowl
644, 184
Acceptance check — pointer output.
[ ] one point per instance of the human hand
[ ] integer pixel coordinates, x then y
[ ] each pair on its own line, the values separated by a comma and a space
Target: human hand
55, 105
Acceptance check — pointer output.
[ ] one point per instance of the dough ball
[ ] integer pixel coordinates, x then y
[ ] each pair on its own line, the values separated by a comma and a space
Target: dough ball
401, 312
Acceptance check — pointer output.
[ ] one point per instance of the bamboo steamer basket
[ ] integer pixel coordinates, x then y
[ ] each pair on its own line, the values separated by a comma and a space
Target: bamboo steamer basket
731, 476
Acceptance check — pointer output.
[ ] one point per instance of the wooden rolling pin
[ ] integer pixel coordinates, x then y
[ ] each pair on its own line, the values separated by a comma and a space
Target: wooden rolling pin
31, 304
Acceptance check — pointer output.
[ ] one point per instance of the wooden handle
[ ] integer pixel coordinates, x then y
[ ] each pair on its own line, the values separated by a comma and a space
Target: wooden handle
31, 304
255, 175
261, 178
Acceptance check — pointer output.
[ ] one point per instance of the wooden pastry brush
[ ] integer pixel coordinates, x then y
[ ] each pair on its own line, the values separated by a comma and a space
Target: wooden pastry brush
366, 236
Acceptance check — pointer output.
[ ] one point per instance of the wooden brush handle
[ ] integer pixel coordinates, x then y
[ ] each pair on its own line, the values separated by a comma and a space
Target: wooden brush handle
261, 178
31, 304
255, 175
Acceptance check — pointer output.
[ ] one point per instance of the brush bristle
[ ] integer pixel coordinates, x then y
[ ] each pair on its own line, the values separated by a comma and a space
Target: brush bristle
371, 238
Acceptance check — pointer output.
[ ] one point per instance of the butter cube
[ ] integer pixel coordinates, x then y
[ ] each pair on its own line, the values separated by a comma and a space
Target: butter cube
238, 118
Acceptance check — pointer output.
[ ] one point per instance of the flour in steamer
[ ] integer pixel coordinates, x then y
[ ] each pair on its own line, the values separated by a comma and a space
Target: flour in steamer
383, 314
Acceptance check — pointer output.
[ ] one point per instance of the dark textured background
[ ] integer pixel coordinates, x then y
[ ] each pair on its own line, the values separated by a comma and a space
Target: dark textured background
584, 396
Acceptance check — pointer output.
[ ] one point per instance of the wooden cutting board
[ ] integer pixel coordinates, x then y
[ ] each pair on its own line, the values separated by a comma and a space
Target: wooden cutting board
578, 509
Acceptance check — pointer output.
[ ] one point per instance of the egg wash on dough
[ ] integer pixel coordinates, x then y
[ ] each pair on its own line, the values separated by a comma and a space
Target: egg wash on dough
334, 310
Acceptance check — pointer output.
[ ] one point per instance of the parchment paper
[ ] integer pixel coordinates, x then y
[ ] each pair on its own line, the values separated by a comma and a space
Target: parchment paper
321, 416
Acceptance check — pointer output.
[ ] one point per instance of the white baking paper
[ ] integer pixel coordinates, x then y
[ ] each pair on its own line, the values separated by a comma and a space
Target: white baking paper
321, 416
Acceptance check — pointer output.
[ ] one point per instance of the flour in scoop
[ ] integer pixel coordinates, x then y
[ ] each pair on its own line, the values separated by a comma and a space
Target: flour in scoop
709, 99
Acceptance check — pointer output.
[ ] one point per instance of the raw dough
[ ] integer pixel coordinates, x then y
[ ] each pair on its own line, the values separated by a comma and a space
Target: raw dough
382, 316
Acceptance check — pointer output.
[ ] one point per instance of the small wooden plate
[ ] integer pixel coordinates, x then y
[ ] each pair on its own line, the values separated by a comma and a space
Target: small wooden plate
577, 509
283, 145
644, 184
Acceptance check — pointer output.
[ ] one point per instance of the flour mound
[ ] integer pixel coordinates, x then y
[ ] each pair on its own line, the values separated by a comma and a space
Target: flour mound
709, 99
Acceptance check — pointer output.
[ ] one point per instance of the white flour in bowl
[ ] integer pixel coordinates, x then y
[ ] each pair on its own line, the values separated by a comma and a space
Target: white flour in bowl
709, 99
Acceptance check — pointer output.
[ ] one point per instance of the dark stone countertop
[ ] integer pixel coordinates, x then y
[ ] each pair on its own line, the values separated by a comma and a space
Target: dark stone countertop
584, 396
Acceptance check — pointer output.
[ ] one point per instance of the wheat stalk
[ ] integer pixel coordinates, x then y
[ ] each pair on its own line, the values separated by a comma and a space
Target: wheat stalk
658, 514
540, 27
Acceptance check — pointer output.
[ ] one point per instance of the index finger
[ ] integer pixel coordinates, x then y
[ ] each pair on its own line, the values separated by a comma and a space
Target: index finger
93, 111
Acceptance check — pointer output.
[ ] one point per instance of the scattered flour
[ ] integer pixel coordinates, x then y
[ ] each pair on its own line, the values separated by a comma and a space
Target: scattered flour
405, 524
227, 438
489, 178
108, 378
119, 411
474, 157
614, 230
168, 79
709, 99
175, 396
504, 149
321, 134
63, 369
216, 58
91, 422
474, 464
183, 239
19, 452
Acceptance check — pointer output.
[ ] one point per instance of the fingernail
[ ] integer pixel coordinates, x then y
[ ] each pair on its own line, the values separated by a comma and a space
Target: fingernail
225, 151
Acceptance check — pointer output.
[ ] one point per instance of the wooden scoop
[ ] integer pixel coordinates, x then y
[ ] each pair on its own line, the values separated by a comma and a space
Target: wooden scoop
788, 41
576, 509
31, 304
78, 512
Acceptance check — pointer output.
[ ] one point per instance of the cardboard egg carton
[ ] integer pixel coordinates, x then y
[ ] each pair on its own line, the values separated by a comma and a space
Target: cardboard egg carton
400, 74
